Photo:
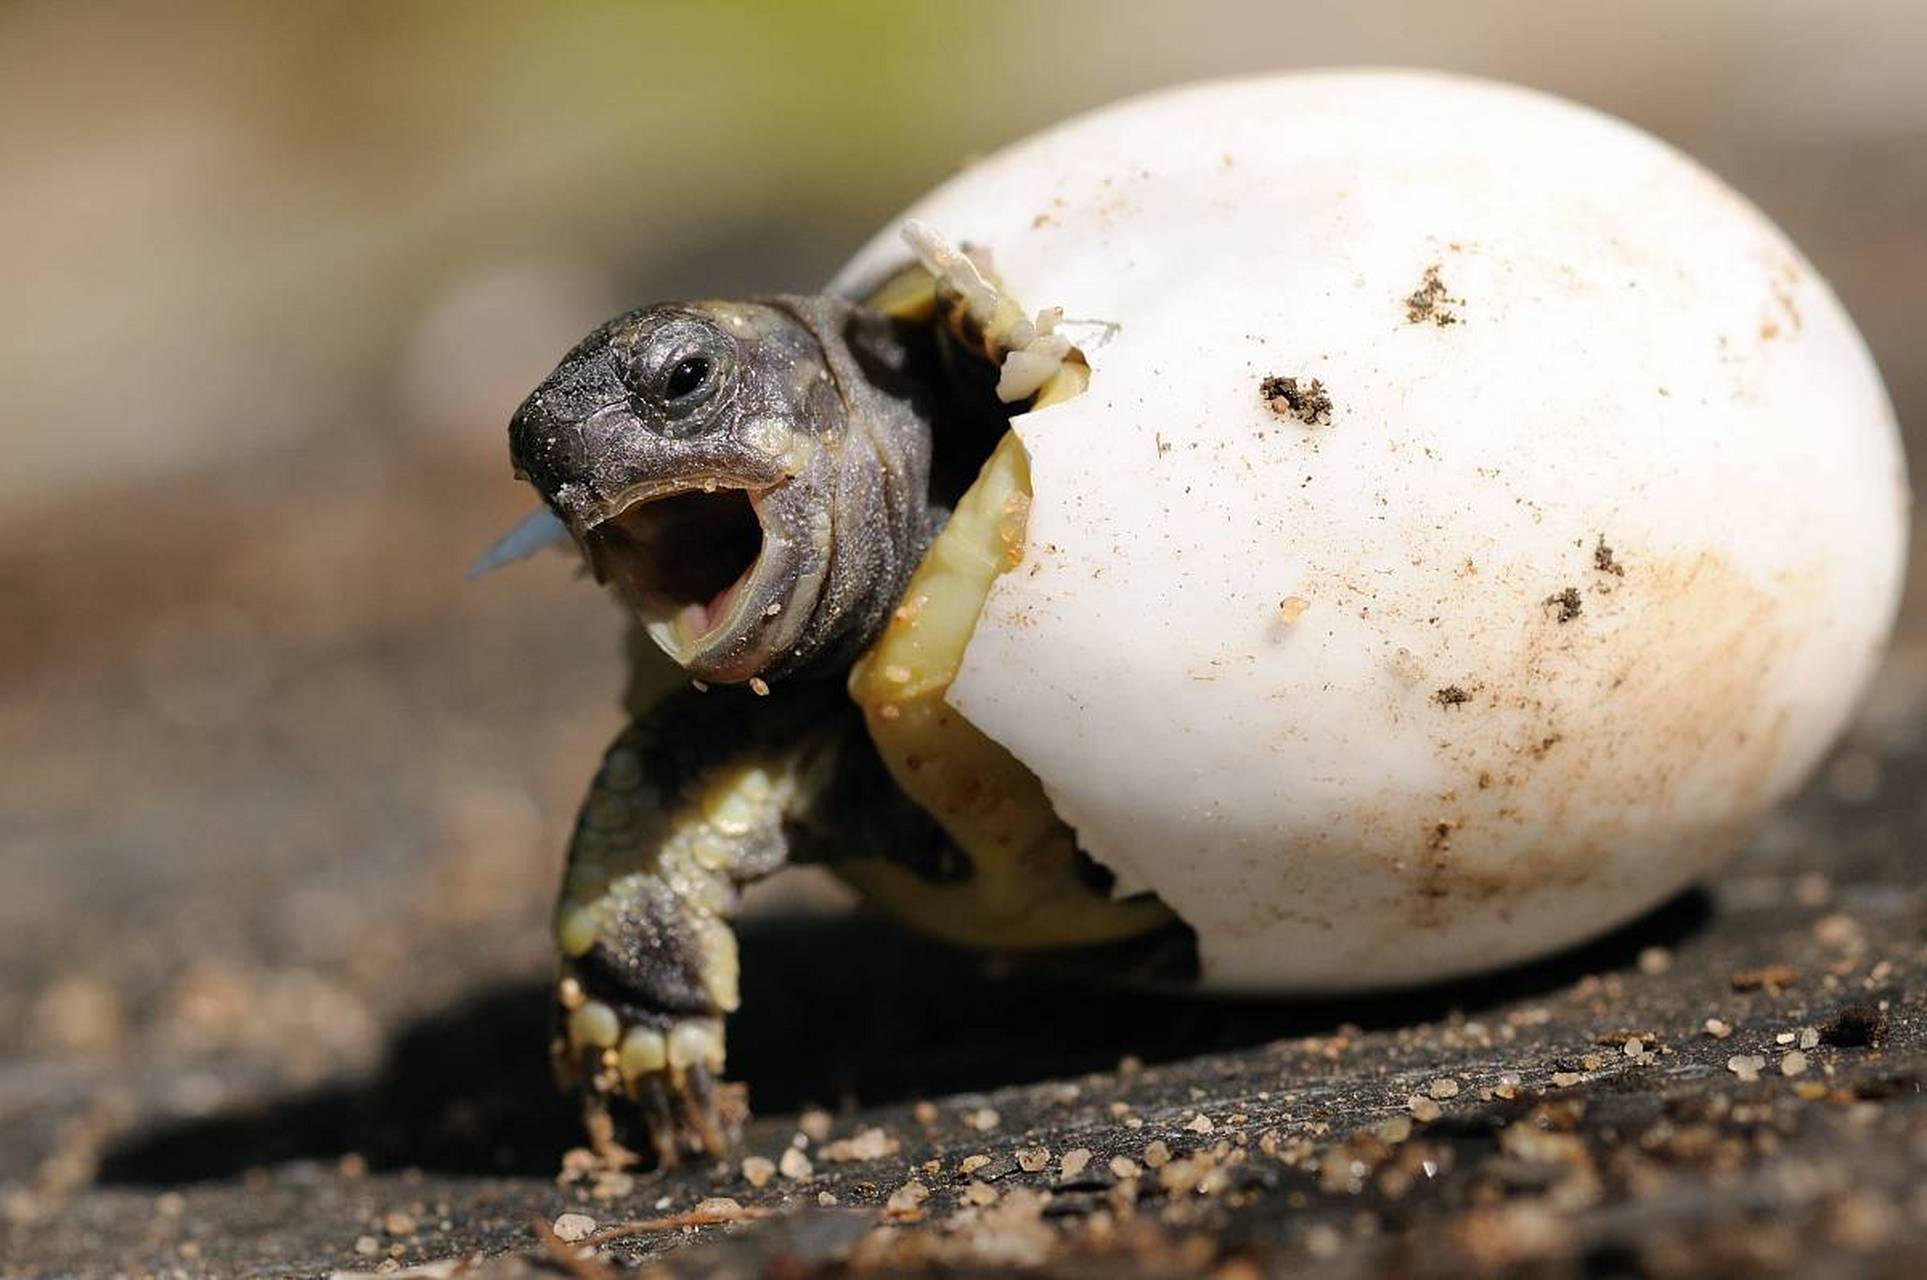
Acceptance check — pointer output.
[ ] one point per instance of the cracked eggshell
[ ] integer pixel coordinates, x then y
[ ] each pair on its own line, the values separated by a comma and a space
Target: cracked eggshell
1583, 569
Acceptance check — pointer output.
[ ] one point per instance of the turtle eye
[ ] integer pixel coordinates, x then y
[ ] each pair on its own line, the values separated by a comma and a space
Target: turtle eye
675, 365
686, 379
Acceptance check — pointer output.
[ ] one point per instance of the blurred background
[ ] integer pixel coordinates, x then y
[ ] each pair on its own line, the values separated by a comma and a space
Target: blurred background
277, 780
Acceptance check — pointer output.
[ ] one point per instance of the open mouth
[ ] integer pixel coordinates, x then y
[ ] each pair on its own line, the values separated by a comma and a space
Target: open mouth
683, 560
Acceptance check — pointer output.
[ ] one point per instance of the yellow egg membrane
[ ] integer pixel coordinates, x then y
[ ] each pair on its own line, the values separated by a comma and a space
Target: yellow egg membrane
1026, 890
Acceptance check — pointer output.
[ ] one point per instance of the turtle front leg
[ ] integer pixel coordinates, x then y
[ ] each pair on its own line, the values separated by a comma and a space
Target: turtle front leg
1036, 365
692, 802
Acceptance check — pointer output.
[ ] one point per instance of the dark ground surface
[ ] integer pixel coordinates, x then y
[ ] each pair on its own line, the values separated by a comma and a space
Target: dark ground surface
274, 962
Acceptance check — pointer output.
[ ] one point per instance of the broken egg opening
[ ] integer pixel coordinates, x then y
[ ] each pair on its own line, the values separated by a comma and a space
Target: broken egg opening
1589, 497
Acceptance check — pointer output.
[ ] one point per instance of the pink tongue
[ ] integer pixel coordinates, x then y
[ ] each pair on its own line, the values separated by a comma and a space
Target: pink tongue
695, 619
701, 619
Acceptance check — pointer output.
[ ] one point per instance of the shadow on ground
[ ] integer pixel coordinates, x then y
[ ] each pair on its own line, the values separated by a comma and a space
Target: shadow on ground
833, 1011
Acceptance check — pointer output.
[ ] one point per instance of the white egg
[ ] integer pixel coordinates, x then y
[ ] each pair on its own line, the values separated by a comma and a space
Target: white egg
1579, 572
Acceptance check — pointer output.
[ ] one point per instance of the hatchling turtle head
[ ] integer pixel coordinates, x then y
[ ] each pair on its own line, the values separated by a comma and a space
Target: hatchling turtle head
716, 470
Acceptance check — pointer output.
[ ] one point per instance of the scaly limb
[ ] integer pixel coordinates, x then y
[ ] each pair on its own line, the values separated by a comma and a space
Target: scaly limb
692, 802
1035, 364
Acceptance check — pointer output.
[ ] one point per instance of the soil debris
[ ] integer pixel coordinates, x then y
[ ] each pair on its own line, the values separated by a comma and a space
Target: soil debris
1306, 400
1451, 696
870, 1144
566, 1255
1429, 303
716, 1211
1771, 978
1567, 602
907, 1199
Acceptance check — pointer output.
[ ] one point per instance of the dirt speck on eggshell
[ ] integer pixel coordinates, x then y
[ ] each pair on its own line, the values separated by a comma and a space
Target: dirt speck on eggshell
1603, 560
1429, 303
1302, 399
1566, 603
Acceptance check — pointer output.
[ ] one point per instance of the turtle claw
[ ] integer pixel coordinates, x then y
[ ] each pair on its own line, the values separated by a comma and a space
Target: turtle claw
694, 1114
662, 1080
600, 1127
1034, 364
659, 1118
700, 1113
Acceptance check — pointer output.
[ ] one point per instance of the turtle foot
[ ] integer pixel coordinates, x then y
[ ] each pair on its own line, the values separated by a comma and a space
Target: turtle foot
657, 1081
1034, 363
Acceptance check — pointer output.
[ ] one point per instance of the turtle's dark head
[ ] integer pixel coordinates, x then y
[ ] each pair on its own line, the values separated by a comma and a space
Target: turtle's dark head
717, 469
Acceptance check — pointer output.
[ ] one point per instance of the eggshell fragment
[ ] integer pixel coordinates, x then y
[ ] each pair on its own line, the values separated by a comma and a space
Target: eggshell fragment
1588, 492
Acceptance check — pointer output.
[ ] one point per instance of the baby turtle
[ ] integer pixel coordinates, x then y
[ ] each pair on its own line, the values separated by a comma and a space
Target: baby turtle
759, 481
